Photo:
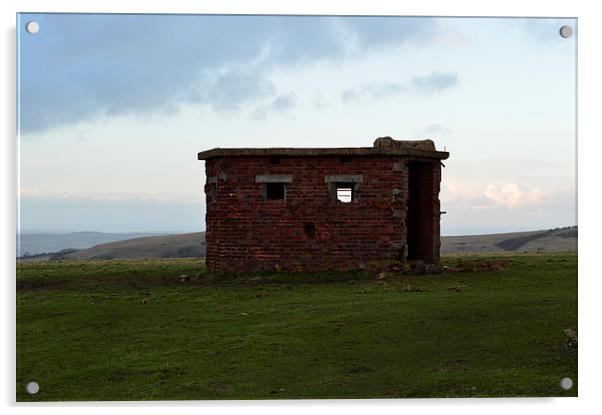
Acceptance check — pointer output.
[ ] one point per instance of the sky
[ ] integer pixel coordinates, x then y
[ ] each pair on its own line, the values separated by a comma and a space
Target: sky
113, 109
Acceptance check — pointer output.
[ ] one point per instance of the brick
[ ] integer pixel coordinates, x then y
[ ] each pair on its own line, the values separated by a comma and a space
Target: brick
247, 232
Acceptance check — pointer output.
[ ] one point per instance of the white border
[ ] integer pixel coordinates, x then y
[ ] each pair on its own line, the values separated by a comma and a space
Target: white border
589, 152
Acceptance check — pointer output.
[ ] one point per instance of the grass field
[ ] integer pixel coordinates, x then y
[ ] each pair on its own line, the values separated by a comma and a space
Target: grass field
132, 330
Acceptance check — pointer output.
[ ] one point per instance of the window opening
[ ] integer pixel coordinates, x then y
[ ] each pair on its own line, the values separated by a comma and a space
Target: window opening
274, 191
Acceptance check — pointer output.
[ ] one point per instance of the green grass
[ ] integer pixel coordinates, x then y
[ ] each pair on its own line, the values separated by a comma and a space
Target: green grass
131, 330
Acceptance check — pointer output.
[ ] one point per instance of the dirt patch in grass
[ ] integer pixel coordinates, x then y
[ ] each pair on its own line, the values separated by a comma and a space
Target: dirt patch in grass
40, 285
479, 265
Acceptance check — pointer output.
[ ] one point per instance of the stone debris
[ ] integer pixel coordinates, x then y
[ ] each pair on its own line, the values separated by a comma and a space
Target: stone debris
381, 276
417, 268
571, 338
433, 269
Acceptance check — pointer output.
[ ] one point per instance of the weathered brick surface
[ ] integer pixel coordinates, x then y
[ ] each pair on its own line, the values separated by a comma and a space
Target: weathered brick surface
247, 232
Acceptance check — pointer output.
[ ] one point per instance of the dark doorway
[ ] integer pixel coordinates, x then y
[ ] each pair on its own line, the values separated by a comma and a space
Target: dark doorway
421, 211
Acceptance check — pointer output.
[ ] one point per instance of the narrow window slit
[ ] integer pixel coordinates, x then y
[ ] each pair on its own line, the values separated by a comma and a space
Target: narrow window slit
212, 192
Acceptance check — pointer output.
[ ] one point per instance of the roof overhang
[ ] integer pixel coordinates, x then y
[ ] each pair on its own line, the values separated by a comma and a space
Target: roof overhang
318, 152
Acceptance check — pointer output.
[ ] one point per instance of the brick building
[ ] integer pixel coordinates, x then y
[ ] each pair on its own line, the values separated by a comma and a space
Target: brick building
322, 208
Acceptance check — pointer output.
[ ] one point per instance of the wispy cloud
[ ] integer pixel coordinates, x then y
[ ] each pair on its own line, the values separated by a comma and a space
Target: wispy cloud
422, 85
512, 196
452, 191
374, 90
435, 82
79, 67
36, 193
282, 103
318, 100
451, 38
544, 29
234, 88
507, 195
434, 129
474, 207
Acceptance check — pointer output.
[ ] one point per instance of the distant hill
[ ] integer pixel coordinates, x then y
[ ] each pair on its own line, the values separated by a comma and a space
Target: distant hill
38, 243
189, 245
552, 240
192, 245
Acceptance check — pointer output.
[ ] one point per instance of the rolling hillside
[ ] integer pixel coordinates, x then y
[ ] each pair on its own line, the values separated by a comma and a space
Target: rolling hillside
553, 240
189, 245
193, 245
35, 243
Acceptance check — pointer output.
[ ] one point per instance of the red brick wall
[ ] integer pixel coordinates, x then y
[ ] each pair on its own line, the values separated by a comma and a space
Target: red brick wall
246, 232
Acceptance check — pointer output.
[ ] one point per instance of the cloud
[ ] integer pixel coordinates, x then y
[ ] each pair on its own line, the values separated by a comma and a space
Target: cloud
452, 191
473, 207
434, 129
282, 103
375, 90
511, 196
544, 29
365, 32
507, 195
232, 89
424, 85
26, 193
318, 101
454, 39
83, 66
435, 82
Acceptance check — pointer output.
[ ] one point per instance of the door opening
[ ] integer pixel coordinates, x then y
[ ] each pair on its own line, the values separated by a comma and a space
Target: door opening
421, 211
